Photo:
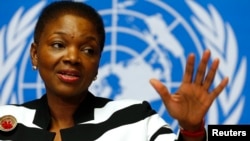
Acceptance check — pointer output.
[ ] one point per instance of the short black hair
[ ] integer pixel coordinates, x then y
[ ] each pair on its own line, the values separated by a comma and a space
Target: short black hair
58, 8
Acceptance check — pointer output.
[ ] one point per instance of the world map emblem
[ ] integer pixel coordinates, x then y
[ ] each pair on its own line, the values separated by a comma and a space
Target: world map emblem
145, 39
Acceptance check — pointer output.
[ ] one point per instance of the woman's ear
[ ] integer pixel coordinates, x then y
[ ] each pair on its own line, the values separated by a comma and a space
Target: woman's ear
33, 54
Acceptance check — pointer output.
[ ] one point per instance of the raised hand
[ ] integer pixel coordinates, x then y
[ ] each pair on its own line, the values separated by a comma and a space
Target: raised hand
192, 100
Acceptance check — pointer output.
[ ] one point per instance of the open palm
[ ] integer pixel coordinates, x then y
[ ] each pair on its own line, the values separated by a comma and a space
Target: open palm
193, 98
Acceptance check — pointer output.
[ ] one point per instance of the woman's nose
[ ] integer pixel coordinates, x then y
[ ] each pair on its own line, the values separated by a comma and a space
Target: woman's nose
72, 55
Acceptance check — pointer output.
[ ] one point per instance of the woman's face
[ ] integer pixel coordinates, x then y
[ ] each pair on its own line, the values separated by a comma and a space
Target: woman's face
67, 55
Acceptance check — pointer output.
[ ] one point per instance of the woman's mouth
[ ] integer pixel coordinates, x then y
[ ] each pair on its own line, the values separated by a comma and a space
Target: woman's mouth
69, 76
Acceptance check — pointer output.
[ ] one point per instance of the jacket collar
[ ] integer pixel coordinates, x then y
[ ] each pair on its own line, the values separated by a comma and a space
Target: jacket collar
85, 111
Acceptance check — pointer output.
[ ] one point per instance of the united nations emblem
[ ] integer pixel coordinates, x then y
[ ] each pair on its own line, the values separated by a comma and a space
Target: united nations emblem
144, 43
145, 39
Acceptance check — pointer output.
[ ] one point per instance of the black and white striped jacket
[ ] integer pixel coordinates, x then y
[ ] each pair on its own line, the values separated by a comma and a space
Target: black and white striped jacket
96, 119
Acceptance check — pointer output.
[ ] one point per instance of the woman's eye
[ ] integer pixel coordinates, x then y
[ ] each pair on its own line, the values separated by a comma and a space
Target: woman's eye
58, 45
88, 50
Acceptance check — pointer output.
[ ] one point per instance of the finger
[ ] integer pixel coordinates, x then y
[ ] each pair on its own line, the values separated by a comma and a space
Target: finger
188, 75
219, 88
161, 89
211, 74
202, 68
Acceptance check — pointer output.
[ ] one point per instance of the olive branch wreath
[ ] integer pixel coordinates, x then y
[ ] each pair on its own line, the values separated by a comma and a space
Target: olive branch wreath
218, 36
13, 40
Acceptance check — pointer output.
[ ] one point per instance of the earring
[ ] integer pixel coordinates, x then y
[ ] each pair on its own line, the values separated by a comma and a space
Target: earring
34, 67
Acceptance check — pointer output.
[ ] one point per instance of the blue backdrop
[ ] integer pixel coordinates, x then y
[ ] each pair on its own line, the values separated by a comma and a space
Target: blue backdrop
145, 39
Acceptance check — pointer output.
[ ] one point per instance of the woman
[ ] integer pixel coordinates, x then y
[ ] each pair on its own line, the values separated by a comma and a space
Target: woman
68, 41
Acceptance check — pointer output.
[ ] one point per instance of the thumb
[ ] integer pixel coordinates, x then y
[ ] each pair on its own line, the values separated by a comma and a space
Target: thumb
161, 89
